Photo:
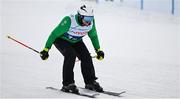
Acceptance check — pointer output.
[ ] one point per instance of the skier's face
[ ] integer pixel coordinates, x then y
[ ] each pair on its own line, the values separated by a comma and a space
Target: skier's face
87, 20
86, 23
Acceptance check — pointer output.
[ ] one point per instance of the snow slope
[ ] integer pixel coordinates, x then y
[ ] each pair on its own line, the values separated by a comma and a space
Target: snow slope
141, 50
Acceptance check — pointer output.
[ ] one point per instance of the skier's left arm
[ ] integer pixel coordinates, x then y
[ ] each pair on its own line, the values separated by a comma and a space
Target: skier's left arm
95, 41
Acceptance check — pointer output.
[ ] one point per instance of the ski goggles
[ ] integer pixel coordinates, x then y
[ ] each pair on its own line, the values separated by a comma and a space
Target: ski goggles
88, 18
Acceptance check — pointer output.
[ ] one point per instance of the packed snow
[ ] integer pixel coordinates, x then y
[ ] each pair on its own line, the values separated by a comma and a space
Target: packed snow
141, 50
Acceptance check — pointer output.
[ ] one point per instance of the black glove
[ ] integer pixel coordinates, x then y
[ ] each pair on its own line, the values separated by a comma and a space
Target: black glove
100, 54
44, 54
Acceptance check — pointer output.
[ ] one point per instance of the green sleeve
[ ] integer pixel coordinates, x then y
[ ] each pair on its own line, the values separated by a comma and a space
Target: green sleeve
58, 31
94, 37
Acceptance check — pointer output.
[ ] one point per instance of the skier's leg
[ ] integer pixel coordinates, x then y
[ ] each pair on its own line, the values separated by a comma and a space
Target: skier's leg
69, 60
87, 67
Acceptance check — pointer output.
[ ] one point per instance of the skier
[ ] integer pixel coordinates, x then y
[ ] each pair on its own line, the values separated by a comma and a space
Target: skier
67, 38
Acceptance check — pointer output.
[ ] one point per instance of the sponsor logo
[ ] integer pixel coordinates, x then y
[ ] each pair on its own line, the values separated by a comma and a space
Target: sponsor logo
80, 33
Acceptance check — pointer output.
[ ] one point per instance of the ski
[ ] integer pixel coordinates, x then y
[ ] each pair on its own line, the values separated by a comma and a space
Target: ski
117, 94
79, 94
114, 93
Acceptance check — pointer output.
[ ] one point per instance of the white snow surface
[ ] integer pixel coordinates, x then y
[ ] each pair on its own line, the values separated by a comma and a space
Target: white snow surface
141, 50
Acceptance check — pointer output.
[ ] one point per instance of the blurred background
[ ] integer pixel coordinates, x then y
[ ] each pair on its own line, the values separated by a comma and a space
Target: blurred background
140, 39
158, 6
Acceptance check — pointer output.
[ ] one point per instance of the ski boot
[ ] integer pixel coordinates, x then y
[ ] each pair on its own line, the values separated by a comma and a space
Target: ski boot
70, 88
94, 86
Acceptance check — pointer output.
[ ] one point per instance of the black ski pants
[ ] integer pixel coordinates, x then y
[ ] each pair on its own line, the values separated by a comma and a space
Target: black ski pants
70, 51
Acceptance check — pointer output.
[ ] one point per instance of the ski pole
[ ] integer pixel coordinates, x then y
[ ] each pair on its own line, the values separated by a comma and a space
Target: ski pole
9, 37
91, 57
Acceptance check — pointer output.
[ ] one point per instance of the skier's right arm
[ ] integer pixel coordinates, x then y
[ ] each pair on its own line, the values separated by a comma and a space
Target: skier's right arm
57, 32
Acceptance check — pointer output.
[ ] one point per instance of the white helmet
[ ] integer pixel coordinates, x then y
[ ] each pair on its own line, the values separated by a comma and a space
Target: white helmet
85, 10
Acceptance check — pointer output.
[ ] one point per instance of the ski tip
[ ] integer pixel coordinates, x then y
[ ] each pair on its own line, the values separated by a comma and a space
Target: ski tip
48, 87
123, 92
8, 36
